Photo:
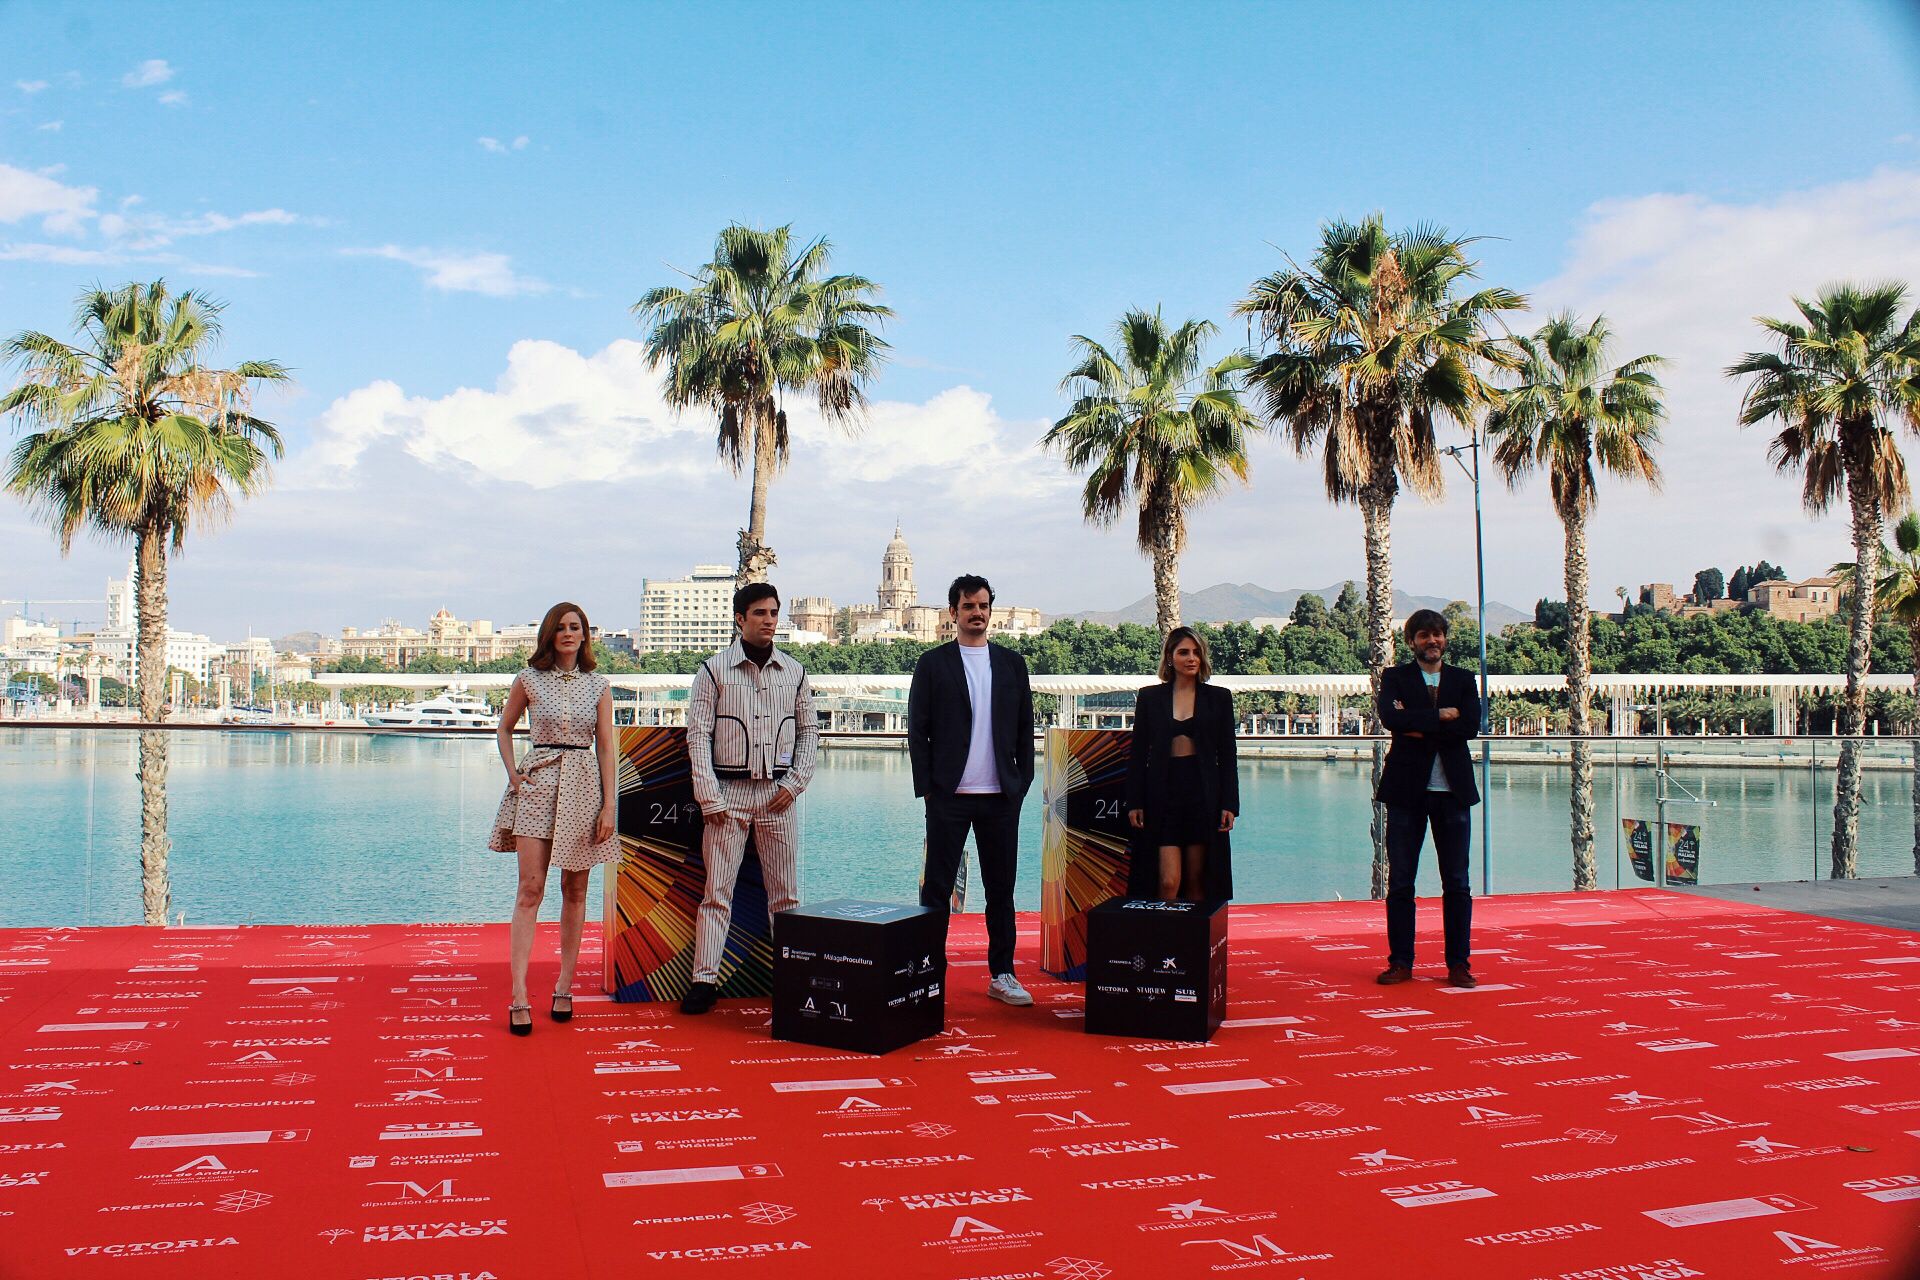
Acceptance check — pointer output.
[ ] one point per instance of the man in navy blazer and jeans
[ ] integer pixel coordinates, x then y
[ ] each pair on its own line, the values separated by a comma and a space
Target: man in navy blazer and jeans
1432, 710
970, 737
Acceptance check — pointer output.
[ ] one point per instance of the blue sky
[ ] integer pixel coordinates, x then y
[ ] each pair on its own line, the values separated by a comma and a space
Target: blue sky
1010, 174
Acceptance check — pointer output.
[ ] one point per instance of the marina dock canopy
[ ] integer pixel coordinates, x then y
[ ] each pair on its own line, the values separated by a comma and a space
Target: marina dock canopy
1621, 693
1605, 687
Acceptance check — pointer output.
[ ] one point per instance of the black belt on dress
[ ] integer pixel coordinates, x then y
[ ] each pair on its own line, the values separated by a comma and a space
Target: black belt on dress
745, 775
557, 746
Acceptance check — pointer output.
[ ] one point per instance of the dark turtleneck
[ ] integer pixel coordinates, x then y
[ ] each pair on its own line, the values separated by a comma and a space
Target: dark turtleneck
758, 654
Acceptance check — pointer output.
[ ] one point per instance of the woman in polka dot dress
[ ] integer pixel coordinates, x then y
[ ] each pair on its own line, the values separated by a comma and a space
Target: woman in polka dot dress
559, 806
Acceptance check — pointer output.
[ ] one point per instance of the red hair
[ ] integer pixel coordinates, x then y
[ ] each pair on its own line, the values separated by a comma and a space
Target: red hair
543, 651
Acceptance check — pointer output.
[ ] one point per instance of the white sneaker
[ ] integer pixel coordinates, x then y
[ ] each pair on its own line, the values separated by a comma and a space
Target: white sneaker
1006, 988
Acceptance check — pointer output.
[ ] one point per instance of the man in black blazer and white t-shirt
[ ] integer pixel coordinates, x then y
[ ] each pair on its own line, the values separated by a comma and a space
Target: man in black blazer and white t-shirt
970, 737
1432, 710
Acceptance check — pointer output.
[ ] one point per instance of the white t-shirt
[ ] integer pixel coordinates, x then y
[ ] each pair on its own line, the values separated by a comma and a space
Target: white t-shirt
1437, 780
981, 776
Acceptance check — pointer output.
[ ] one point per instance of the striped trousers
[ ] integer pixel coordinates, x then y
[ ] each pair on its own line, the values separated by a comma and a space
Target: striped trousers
723, 843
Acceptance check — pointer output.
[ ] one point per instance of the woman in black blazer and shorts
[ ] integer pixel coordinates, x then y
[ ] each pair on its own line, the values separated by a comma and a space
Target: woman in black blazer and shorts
1183, 782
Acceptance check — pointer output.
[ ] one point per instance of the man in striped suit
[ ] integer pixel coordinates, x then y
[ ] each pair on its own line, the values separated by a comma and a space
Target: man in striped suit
752, 737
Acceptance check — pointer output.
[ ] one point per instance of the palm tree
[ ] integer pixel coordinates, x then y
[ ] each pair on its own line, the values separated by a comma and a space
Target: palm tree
140, 439
1897, 596
1150, 439
1845, 369
759, 320
1374, 341
1569, 409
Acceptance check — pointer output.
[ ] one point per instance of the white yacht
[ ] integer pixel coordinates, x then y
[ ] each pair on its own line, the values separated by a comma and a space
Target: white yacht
451, 710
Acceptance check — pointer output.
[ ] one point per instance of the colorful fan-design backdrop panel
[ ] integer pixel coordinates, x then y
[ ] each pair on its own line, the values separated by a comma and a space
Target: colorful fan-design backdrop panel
654, 896
1084, 846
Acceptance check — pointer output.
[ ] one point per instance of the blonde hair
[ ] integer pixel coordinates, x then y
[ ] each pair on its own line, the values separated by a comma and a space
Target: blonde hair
1174, 637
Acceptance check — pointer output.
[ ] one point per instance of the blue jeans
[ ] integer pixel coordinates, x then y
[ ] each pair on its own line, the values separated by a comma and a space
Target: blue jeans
1452, 824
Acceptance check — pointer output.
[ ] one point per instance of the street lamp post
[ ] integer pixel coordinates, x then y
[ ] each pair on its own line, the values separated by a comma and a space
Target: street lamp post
1486, 702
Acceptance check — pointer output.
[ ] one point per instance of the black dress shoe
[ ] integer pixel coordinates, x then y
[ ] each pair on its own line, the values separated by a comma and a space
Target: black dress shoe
1393, 975
700, 998
1461, 978
554, 1010
514, 1024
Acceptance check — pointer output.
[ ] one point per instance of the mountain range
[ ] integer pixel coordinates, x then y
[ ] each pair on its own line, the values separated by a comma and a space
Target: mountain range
299, 642
1244, 601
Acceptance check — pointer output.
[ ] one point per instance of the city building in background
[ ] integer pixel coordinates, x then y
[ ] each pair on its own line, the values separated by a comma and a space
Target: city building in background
15, 632
1807, 600
1802, 601
897, 591
812, 614
1008, 620
117, 642
30, 648
446, 636
690, 613
896, 613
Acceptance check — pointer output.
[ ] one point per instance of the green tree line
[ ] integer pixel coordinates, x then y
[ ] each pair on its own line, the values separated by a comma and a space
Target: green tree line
1324, 640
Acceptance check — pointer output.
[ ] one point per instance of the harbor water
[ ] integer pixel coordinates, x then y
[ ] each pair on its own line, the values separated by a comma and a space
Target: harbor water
271, 827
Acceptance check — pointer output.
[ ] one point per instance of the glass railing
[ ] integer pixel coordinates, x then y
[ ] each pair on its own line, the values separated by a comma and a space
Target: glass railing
347, 827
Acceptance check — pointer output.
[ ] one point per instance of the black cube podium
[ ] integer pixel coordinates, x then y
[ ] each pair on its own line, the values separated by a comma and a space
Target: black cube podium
1156, 970
865, 976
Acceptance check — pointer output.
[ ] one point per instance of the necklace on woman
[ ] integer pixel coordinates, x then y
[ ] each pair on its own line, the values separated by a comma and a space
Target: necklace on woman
567, 673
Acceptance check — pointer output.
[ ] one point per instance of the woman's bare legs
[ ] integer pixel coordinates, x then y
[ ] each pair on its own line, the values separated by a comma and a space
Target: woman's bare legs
1169, 872
573, 922
1193, 870
534, 856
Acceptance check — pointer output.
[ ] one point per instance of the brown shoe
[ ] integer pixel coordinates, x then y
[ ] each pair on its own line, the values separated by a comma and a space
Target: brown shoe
1393, 975
1461, 978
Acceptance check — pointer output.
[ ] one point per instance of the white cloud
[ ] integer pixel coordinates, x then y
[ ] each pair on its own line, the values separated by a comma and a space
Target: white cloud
557, 417
149, 73
211, 269
488, 273
1683, 276
30, 86
955, 433
174, 98
211, 223
580, 450
129, 234
51, 126
498, 147
69, 256
62, 254
1678, 275
62, 210
554, 417
152, 231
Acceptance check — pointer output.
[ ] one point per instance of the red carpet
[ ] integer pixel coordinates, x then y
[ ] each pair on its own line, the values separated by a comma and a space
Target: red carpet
1647, 1086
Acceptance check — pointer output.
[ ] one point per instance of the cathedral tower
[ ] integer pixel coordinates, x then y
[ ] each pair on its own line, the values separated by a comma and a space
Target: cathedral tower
897, 591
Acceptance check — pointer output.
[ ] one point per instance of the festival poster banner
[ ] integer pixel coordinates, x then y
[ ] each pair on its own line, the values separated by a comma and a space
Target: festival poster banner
1084, 853
652, 900
1639, 846
1683, 853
